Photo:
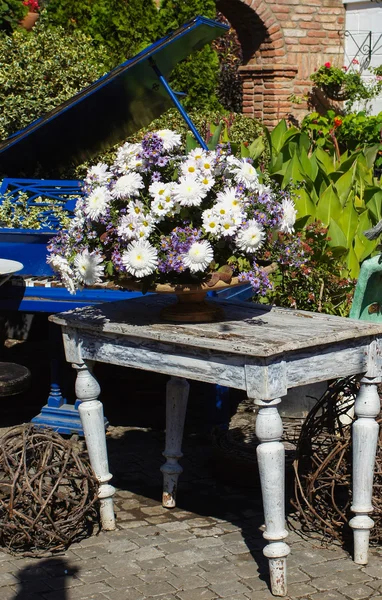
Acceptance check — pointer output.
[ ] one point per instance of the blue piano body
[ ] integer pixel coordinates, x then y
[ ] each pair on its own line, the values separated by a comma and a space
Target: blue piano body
124, 100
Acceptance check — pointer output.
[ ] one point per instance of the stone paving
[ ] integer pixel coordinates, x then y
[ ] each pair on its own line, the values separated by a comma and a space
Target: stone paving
209, 547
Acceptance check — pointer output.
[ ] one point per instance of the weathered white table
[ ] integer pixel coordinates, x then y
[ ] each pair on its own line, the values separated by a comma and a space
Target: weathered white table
258, 349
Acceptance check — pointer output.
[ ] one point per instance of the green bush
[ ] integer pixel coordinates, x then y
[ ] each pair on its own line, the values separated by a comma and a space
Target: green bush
124, 27
198, 74
11, 13
41, 69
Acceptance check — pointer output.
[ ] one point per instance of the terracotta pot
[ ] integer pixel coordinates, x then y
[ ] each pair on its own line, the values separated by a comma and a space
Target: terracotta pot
29, 21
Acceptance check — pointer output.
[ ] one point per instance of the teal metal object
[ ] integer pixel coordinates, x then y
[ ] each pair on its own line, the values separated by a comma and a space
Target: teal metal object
367, 302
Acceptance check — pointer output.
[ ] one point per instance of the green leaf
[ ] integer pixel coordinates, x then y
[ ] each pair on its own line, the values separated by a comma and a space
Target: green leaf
371, 154
374, 202
293, 172
216, 137
348, 221
277, 136
329, 206
244, 151
344, 185
325, 160
352, 263
191, 143
256, 148
304, 205
336, 235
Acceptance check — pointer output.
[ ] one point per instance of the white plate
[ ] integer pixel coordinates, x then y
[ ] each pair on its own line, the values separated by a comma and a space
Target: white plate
7, 267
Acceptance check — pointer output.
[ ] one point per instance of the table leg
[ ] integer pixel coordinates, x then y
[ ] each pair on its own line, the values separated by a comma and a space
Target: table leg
91, 413
177, 390
271, 461
365, 439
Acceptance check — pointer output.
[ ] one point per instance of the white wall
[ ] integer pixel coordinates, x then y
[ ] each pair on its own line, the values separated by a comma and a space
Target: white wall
361, 18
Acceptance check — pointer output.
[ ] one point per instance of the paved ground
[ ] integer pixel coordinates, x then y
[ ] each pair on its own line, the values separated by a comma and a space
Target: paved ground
209, 547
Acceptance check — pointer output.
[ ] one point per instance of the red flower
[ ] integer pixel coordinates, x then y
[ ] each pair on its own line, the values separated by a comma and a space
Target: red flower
328, 65
344, 68
355, 61
337, 121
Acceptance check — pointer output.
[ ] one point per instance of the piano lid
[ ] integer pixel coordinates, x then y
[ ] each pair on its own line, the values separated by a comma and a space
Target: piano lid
109, 110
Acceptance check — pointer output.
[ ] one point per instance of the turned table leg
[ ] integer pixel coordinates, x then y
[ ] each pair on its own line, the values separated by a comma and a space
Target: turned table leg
365, 439
271, 461
177, 390
91, 413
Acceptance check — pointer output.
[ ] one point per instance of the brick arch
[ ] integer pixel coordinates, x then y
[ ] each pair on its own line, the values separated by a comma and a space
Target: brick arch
259, 32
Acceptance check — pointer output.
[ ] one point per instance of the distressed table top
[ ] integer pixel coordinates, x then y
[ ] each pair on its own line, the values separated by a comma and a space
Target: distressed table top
248, 329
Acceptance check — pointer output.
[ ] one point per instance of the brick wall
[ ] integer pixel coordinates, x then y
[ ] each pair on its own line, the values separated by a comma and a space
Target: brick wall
283, 42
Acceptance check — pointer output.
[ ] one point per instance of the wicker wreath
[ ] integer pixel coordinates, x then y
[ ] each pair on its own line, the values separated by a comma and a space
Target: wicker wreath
323, 465
48, 493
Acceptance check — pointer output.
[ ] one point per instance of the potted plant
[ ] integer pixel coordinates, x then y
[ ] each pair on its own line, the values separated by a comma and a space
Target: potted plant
345, 84
31, 17
165, 221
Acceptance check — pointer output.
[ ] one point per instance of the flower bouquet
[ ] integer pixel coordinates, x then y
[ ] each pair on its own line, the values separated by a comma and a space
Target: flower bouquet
159, 216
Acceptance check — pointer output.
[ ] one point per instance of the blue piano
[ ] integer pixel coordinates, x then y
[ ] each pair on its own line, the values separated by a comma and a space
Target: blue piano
126, 99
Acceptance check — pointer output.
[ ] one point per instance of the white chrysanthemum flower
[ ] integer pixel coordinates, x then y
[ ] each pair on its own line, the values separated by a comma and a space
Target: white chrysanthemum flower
199, 256
97, 203
246, 174
66, 273
189, 167
140, 258
207, 182
127, 186
289, 216
264, 189
89, 268
127, 157
211, 222
98, 174
228, 198
189, 192
252, 238
127, 228
207, 165
170, 139
222, 210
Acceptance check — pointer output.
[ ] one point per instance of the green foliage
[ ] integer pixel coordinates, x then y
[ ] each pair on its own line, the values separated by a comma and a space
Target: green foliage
344, 84
24, 215
198, 74
317, 285
124, 27
352, 131
11, 13
41, 69
337, 189
228, 48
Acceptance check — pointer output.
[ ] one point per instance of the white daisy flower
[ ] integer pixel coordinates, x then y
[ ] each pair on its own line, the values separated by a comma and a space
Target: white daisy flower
251, 238
189, 192
98, 174
189, 167
199, 256
89, 268
197, 154
160, 208
211, 222
228, 198
246, 174
97, 203
170, 139
136, 209
140, 258
289, 216
207, 182
228, 226
222, 210
128, 185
